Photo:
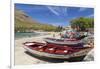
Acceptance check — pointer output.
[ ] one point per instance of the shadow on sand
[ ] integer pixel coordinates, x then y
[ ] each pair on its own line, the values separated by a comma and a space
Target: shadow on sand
53, 60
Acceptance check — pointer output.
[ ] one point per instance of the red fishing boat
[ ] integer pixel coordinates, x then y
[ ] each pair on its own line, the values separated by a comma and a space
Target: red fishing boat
56, 51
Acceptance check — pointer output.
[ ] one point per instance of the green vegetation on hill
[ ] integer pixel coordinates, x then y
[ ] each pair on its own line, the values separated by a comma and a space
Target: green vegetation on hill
24, 23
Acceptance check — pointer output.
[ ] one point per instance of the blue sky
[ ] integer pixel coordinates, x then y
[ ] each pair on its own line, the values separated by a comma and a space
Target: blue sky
55, 15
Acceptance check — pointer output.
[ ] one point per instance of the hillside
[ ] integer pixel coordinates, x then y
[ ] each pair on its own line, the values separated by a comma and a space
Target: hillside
24, 23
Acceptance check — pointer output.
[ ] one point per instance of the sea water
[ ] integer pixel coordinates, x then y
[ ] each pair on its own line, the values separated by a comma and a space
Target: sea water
19, 35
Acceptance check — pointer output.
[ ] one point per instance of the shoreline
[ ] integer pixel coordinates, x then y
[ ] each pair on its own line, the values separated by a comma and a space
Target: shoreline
39, 34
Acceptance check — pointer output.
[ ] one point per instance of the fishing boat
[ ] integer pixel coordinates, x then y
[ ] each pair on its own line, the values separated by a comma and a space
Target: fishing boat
68, 33
66, 41
55, 51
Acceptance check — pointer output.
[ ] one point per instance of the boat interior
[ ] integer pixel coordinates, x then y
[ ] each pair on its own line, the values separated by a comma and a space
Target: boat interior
53, 48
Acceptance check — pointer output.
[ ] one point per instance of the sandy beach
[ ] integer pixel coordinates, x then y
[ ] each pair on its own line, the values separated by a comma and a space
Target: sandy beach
22, 57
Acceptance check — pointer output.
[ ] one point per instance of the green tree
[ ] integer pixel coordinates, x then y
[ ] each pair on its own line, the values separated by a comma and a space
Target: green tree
82, 23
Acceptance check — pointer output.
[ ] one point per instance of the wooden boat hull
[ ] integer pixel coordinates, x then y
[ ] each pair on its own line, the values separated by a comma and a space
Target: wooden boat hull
82, 52
62, 41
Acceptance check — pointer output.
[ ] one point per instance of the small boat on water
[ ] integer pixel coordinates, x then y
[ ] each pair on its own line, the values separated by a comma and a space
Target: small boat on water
66, 41
55, 51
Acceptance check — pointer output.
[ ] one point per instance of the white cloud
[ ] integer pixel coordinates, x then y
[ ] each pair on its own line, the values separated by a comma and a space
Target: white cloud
53, 11
92, 15
82, 9
65, 11
58, 10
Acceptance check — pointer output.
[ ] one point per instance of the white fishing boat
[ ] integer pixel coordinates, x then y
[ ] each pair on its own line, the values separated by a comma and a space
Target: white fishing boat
63, 41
